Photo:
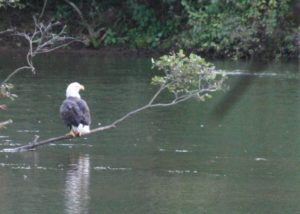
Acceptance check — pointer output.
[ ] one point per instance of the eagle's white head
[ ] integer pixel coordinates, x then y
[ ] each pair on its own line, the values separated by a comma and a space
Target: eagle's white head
73, 90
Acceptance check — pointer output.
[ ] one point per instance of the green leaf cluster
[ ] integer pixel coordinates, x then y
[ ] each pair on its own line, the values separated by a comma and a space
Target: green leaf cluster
240, 29
188, 75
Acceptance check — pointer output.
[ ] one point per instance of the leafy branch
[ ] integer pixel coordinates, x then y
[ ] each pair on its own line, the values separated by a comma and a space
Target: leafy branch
185, 77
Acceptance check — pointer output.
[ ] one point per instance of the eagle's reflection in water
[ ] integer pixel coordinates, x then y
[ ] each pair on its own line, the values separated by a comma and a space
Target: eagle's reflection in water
77, 185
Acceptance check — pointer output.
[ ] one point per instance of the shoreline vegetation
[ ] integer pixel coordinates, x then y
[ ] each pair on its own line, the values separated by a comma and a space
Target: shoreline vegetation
261, 29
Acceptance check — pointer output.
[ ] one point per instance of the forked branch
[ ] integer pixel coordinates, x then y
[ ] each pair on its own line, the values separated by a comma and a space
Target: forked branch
43, 39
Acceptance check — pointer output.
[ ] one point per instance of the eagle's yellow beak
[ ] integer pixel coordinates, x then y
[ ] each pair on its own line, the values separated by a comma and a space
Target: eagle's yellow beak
81, 87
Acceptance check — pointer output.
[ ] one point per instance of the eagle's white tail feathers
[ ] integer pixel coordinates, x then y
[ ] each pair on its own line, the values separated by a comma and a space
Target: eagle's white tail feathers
81, 129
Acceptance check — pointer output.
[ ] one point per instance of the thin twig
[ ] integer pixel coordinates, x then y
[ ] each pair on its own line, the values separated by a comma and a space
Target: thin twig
7, 31
76, 9
43, 10
14, 73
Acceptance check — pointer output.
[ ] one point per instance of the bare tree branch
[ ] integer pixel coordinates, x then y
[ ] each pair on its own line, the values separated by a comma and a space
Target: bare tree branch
78, 11
41, 40
14, 73
7, 31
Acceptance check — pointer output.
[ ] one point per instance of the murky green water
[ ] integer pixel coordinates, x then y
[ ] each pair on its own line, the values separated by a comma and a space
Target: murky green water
180, 159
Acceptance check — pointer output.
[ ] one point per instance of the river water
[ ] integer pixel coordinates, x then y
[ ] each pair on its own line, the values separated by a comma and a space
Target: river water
212, 157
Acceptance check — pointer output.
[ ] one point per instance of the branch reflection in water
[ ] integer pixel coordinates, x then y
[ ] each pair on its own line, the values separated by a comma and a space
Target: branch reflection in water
77, 185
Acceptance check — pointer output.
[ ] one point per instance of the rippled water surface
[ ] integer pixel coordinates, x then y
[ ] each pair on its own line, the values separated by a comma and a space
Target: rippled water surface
181, 159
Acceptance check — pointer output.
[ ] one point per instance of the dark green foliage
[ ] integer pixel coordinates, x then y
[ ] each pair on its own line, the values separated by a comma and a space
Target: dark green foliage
240, 28
235, 29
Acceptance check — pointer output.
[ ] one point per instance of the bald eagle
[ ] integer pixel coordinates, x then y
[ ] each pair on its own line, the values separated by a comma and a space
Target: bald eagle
75, 112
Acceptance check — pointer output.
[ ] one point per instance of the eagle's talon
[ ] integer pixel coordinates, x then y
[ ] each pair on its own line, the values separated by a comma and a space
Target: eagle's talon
71, 134
3, 126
